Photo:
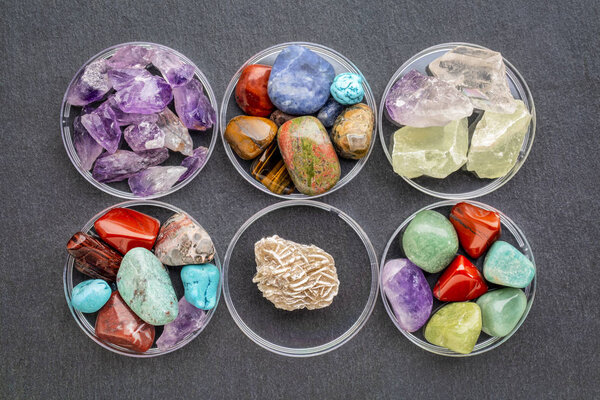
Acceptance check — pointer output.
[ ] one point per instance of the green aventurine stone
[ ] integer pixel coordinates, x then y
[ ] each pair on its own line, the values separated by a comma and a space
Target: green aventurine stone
497, 141
145, 286
501, 310
455, 326
505, 265
430, 241
436, 151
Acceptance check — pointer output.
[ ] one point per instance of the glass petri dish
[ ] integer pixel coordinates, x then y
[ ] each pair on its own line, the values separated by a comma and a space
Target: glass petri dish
72, 277
510, 233
461, 184
121, 189
302, 333
230, 109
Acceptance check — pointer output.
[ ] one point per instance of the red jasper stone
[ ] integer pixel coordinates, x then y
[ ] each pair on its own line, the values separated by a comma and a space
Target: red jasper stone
477, 228
461, 281
124, 229
117, 324
251, 91
94, 258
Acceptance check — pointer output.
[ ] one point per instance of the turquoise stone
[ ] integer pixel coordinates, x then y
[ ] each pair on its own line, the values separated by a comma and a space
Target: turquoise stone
505, 265
501, 310
89, 296
430, 241
347, 88
145, 286
201, 283
456, 326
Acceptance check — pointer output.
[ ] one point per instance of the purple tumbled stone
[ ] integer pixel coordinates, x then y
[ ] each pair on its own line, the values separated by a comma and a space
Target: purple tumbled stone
193, 107
91, 86
154, 180
189, 320
407, 292
102, 125
124, 118
138, 91
144, 136
86, 146
194, 162
124, 163
177, 137
130, 56
172, 68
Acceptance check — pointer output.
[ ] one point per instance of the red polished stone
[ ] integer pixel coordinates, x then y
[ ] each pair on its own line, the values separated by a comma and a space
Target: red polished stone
124, 229
117, 324
477, 228
251, 91
94, 258
461, 281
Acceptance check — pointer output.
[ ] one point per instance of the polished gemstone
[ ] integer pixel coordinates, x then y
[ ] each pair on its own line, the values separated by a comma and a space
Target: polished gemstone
269, 169
125, 229
201, 283
130, 56
175, 71
89, 296
249, 136
501, 310
155, 180
309, 155
352, 132
251, 92
193, 107
430, 241
329, 112
181, 241
102, 125
476, 227
123, 164
86, 146
347, 88
138, 91
434, 151
456, 326
505, 265
91, 86
280, 118
144, 136
461, 281
177, 137
189, 320
94, 258
194, 162
408, 293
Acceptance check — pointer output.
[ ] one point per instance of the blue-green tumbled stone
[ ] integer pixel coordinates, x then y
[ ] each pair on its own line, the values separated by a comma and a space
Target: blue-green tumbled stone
89, 296
201, 284
501, 310
505, 265
347, 88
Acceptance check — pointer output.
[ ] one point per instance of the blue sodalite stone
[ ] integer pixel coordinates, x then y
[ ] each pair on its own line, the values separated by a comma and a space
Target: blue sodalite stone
300, 81
89, 296
329, 112
201, 283
347, 88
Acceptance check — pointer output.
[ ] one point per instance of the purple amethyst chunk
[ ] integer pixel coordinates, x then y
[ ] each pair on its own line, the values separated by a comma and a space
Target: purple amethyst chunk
130, 57
138, 91
144, 136
194, 162
102, 125
154, 180
189, 320
123, 164
86, 146
91, 86
172, 68
193, 107
124, 118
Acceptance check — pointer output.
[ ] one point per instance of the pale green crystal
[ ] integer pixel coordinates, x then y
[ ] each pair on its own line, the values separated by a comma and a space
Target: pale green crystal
455, 326
497, 141
436, 151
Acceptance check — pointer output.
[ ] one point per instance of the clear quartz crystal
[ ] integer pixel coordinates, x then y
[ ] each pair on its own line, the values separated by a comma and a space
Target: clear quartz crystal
177, 137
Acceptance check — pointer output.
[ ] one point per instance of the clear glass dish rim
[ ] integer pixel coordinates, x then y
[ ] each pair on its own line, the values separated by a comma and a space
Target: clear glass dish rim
342, 339
493, 184
492, 342
82, 321
369, 98
68, 142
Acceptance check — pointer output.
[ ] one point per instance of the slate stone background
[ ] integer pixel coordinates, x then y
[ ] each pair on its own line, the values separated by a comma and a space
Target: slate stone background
554, 199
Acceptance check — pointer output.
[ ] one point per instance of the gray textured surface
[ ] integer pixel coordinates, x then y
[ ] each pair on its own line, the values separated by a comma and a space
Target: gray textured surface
554, 199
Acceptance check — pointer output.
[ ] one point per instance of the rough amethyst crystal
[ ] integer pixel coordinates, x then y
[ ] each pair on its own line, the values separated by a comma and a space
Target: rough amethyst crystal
124, 118
91, 86
138, 91
86, 146
144, 136
189, 320
193, 107
172, 68
102, 125
408, 293
194, 162
154, 180
177, 137
123, 164
130, 56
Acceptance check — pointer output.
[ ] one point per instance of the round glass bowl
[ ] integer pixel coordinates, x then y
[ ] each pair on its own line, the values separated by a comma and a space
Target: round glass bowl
460, 184
72, 277
510, 233
121, 189
302, 333
230, 109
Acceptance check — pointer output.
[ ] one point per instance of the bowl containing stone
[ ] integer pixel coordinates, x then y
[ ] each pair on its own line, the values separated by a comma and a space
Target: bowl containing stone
457, 121
458, 278
298, 288
138, 120
297, 120
142, 278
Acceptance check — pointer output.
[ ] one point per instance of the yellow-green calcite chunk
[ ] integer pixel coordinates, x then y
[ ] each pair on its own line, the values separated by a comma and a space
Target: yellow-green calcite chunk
455, 326
497, 141
435, 151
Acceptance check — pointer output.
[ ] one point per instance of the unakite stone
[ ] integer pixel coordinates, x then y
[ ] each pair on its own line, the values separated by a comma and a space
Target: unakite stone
505, 265
430, 241
145, 286
456, 326
501, 310
497, 141
436, 151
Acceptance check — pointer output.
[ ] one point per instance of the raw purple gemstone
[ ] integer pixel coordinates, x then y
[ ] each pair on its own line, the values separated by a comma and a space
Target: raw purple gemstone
86, 146
177, 137
172, 68
102, 125
189, 320
138, 91
91, 86
193, 107
154, 180
124, 118
144, 136
123, 164
408, 293
130, 57
195, 162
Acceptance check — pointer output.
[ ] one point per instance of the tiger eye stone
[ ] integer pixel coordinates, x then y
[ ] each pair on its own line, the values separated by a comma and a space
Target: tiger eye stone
249, 136
269, 169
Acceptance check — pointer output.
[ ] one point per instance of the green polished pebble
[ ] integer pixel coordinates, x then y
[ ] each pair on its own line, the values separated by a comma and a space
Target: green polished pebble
455, 326
144, 284
501, 310
430, 241
507, 266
